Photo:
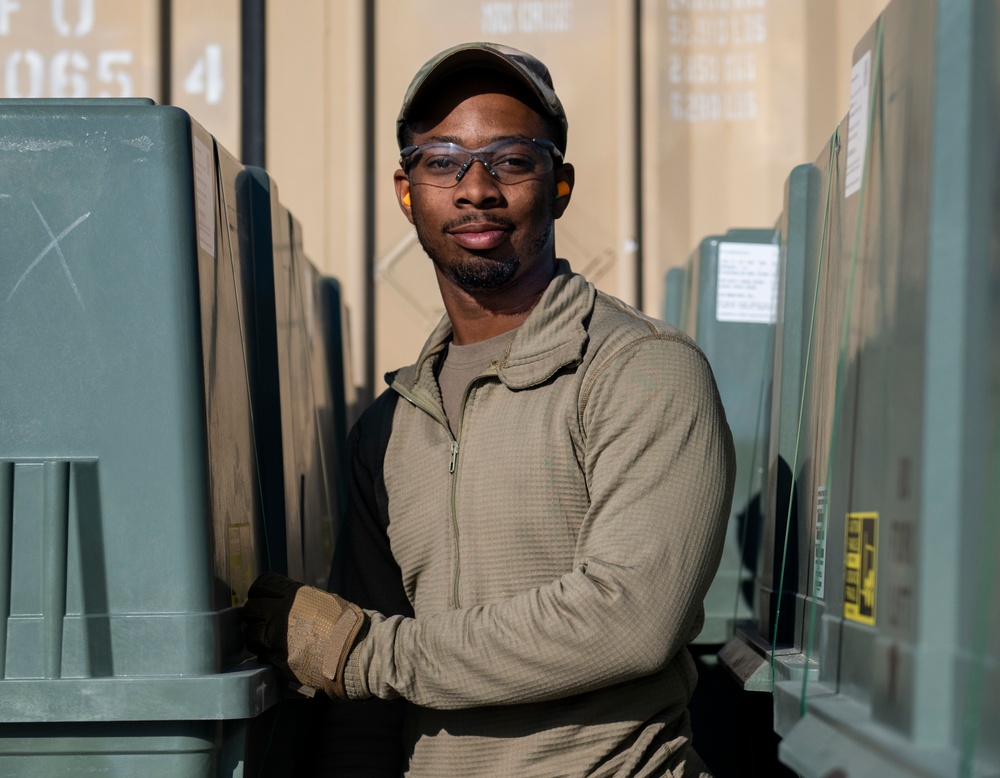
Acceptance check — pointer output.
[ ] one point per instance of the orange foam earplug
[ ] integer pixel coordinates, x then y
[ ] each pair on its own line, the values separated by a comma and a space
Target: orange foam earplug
562, 189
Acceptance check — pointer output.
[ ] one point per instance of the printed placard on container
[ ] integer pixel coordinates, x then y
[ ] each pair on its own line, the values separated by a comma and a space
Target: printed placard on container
747, 283
857, 124
819, 546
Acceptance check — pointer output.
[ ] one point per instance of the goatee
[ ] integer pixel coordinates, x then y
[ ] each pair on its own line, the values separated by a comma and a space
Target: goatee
476, 273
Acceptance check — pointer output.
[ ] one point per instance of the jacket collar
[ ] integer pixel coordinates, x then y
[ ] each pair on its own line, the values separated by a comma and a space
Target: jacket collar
553, 336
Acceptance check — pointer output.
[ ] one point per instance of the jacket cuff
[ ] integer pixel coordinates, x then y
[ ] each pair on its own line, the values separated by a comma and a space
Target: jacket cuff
354, 682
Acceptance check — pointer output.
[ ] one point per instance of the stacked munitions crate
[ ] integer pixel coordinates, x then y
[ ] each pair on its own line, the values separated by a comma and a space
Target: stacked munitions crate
903, 398
674, 296
324, 319
295, 323
160, 327
725, 300
771, 646
878, 615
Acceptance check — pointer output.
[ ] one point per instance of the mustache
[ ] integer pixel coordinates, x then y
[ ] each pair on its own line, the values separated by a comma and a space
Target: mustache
480, 217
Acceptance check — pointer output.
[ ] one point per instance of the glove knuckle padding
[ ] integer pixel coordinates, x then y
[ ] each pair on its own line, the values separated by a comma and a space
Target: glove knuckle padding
273, 586
322, 629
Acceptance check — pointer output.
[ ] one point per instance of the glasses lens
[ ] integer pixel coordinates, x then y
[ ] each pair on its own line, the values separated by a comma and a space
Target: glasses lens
510, 161
437, 164
513, 161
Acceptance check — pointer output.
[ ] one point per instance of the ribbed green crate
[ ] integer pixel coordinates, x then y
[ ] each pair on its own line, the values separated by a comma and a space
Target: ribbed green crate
130, 519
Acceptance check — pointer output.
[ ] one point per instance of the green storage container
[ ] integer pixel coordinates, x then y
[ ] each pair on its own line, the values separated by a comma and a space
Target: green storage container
903, 399
132, 510
731, 283
674, 293
301, 482
334, 319
785, 570
770, 645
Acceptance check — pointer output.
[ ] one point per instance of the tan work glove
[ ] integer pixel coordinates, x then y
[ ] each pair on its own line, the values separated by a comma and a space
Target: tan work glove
306, 633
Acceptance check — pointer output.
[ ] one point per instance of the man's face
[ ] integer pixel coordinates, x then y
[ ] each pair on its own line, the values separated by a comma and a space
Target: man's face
483, 235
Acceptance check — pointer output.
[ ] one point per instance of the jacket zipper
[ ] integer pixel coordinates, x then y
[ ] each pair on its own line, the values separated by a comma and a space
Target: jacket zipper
456, 596
432, 411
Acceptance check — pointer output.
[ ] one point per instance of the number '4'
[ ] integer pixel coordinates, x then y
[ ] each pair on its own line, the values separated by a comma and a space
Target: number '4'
205, 77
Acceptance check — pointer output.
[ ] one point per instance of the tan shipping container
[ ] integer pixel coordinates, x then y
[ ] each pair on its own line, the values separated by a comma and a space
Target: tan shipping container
79, 48
685, 118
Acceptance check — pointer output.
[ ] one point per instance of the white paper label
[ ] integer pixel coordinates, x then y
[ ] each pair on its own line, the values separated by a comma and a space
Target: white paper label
857, 123
819, 548
204, 196
747, 285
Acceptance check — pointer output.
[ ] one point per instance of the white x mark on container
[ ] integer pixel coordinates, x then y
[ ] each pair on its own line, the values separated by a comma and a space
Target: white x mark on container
53, 244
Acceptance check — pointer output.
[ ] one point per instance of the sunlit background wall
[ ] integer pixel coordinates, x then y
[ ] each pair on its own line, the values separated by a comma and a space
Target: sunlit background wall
685, 117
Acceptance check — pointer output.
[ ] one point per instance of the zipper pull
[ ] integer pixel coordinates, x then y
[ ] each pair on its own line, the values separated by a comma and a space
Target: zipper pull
454, 456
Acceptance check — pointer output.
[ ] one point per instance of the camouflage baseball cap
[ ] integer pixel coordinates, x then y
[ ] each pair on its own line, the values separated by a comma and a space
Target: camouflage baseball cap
490, 56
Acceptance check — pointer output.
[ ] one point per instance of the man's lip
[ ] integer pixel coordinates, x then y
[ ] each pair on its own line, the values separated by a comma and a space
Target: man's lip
478, 227
480, 236
480, 241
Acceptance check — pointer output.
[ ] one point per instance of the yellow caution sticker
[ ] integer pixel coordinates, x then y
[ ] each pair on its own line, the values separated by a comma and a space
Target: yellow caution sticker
860, 558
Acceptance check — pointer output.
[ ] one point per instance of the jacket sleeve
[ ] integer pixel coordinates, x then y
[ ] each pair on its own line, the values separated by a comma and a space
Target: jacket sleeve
364, 570
365, 738
659, 466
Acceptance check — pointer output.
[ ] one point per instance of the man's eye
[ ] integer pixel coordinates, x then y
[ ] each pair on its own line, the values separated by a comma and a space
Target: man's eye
518, 162
440, 163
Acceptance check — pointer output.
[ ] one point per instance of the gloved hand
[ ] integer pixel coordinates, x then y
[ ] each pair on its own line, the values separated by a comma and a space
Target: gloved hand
306, 633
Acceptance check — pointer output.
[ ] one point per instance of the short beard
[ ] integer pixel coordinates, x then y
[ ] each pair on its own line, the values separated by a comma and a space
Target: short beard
482, 274
477, 273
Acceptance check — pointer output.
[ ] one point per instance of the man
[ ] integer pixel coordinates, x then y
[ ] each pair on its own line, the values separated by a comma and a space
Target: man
538, 504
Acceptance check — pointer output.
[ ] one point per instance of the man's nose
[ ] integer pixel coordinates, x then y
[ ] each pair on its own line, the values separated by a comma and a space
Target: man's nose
477, 186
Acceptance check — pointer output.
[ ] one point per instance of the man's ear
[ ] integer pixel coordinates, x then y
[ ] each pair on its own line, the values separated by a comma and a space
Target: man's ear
565, 178
402, 184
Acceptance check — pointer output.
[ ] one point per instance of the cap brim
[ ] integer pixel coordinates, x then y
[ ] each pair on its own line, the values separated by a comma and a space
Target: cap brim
476, 56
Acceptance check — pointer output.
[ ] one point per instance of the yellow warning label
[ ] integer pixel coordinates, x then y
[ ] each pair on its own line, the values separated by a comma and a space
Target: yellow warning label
860, 557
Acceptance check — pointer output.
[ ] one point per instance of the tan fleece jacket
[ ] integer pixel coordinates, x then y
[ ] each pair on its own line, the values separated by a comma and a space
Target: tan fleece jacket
555, 552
